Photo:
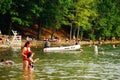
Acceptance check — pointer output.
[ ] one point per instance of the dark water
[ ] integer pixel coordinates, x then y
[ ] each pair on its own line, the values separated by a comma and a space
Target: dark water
71, 65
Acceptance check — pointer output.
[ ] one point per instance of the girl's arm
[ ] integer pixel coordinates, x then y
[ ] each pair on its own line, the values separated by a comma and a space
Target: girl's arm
36, 60
33, 61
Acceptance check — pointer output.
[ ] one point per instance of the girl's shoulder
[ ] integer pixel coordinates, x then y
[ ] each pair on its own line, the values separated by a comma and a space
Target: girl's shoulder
29, 48
26, 48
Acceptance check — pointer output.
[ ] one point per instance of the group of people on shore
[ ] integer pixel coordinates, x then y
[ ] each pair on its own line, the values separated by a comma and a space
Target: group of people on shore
5, 40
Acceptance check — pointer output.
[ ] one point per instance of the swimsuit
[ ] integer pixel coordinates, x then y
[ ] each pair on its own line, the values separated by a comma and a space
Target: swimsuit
30, 65
26, 52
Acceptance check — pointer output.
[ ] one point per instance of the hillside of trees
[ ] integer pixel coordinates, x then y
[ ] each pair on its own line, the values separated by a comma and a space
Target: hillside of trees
81, 19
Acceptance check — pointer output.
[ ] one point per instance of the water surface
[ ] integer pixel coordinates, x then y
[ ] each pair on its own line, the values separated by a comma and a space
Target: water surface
65, 66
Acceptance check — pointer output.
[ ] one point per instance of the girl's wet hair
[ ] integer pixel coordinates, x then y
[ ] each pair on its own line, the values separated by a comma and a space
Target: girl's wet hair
29, 54
2, 60
28, 42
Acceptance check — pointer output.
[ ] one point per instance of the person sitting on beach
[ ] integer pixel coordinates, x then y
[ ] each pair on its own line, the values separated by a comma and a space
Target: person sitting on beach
7, 41
3, 39
6, 62
31, 61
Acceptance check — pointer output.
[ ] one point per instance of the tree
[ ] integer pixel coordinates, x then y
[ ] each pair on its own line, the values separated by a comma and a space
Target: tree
54, 11
23, 13
5, 5
108, 19
79, 14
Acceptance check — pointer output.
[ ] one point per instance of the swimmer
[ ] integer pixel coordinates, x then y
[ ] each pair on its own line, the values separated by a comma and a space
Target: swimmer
6, 62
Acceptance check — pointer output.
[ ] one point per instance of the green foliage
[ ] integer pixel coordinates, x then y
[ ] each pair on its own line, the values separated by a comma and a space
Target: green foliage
54, 13
5, 5
79, 14
97, 18
108, 19
22, 12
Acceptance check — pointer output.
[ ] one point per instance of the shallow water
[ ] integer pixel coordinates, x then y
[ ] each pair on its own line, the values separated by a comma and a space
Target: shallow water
65, 66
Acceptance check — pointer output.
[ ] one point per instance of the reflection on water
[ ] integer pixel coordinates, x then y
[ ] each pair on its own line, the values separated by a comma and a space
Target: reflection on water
66, 66
28, 76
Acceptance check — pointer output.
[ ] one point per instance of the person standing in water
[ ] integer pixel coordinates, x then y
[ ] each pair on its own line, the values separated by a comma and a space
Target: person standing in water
47, 43
25, 52
31, 61
96, 49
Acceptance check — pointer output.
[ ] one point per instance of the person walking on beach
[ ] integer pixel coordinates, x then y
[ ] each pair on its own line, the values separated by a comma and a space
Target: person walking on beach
25, 52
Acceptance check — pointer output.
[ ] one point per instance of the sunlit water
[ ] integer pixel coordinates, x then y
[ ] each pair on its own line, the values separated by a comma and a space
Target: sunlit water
65, 66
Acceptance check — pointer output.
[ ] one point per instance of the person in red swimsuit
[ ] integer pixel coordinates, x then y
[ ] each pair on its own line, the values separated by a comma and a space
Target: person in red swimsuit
25, 51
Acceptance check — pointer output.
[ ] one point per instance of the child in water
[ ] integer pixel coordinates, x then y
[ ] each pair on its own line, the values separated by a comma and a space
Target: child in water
31, 61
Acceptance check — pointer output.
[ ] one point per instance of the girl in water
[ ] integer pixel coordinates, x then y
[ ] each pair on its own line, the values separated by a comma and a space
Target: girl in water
31, 61
25, 51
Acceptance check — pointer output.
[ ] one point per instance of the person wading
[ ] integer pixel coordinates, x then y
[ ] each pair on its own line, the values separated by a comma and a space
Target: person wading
26, 49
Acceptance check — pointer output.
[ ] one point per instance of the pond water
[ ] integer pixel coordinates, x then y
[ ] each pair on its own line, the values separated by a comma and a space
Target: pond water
65, 66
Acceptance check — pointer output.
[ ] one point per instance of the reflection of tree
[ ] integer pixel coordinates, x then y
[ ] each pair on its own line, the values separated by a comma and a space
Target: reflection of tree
28, 75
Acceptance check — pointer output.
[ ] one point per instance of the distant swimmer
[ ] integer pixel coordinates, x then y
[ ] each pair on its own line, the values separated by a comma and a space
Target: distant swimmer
96, 49
6, 62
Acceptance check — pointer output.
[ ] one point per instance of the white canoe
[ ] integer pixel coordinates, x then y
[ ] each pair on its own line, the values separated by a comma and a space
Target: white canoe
62, 48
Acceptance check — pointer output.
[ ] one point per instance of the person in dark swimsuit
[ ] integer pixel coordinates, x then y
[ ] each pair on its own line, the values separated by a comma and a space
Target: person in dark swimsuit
31, 61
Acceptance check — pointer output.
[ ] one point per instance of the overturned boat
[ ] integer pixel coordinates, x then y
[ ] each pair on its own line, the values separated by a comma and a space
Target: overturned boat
62, 48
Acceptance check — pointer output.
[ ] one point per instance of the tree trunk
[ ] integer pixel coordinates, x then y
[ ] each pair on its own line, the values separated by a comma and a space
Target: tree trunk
39, 32
39, 25
74, 32
78, 32
10, 29
71, 32
81, 35
52, 34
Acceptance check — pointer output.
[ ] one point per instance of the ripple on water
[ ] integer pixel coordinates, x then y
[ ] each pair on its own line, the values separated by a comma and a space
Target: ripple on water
79, 77
49, 70
70, 67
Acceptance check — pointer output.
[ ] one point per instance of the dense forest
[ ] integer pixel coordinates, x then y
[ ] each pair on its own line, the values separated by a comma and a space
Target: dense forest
90, 19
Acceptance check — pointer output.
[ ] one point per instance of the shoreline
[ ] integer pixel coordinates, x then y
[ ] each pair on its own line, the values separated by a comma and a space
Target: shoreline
40, 43
64, 43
